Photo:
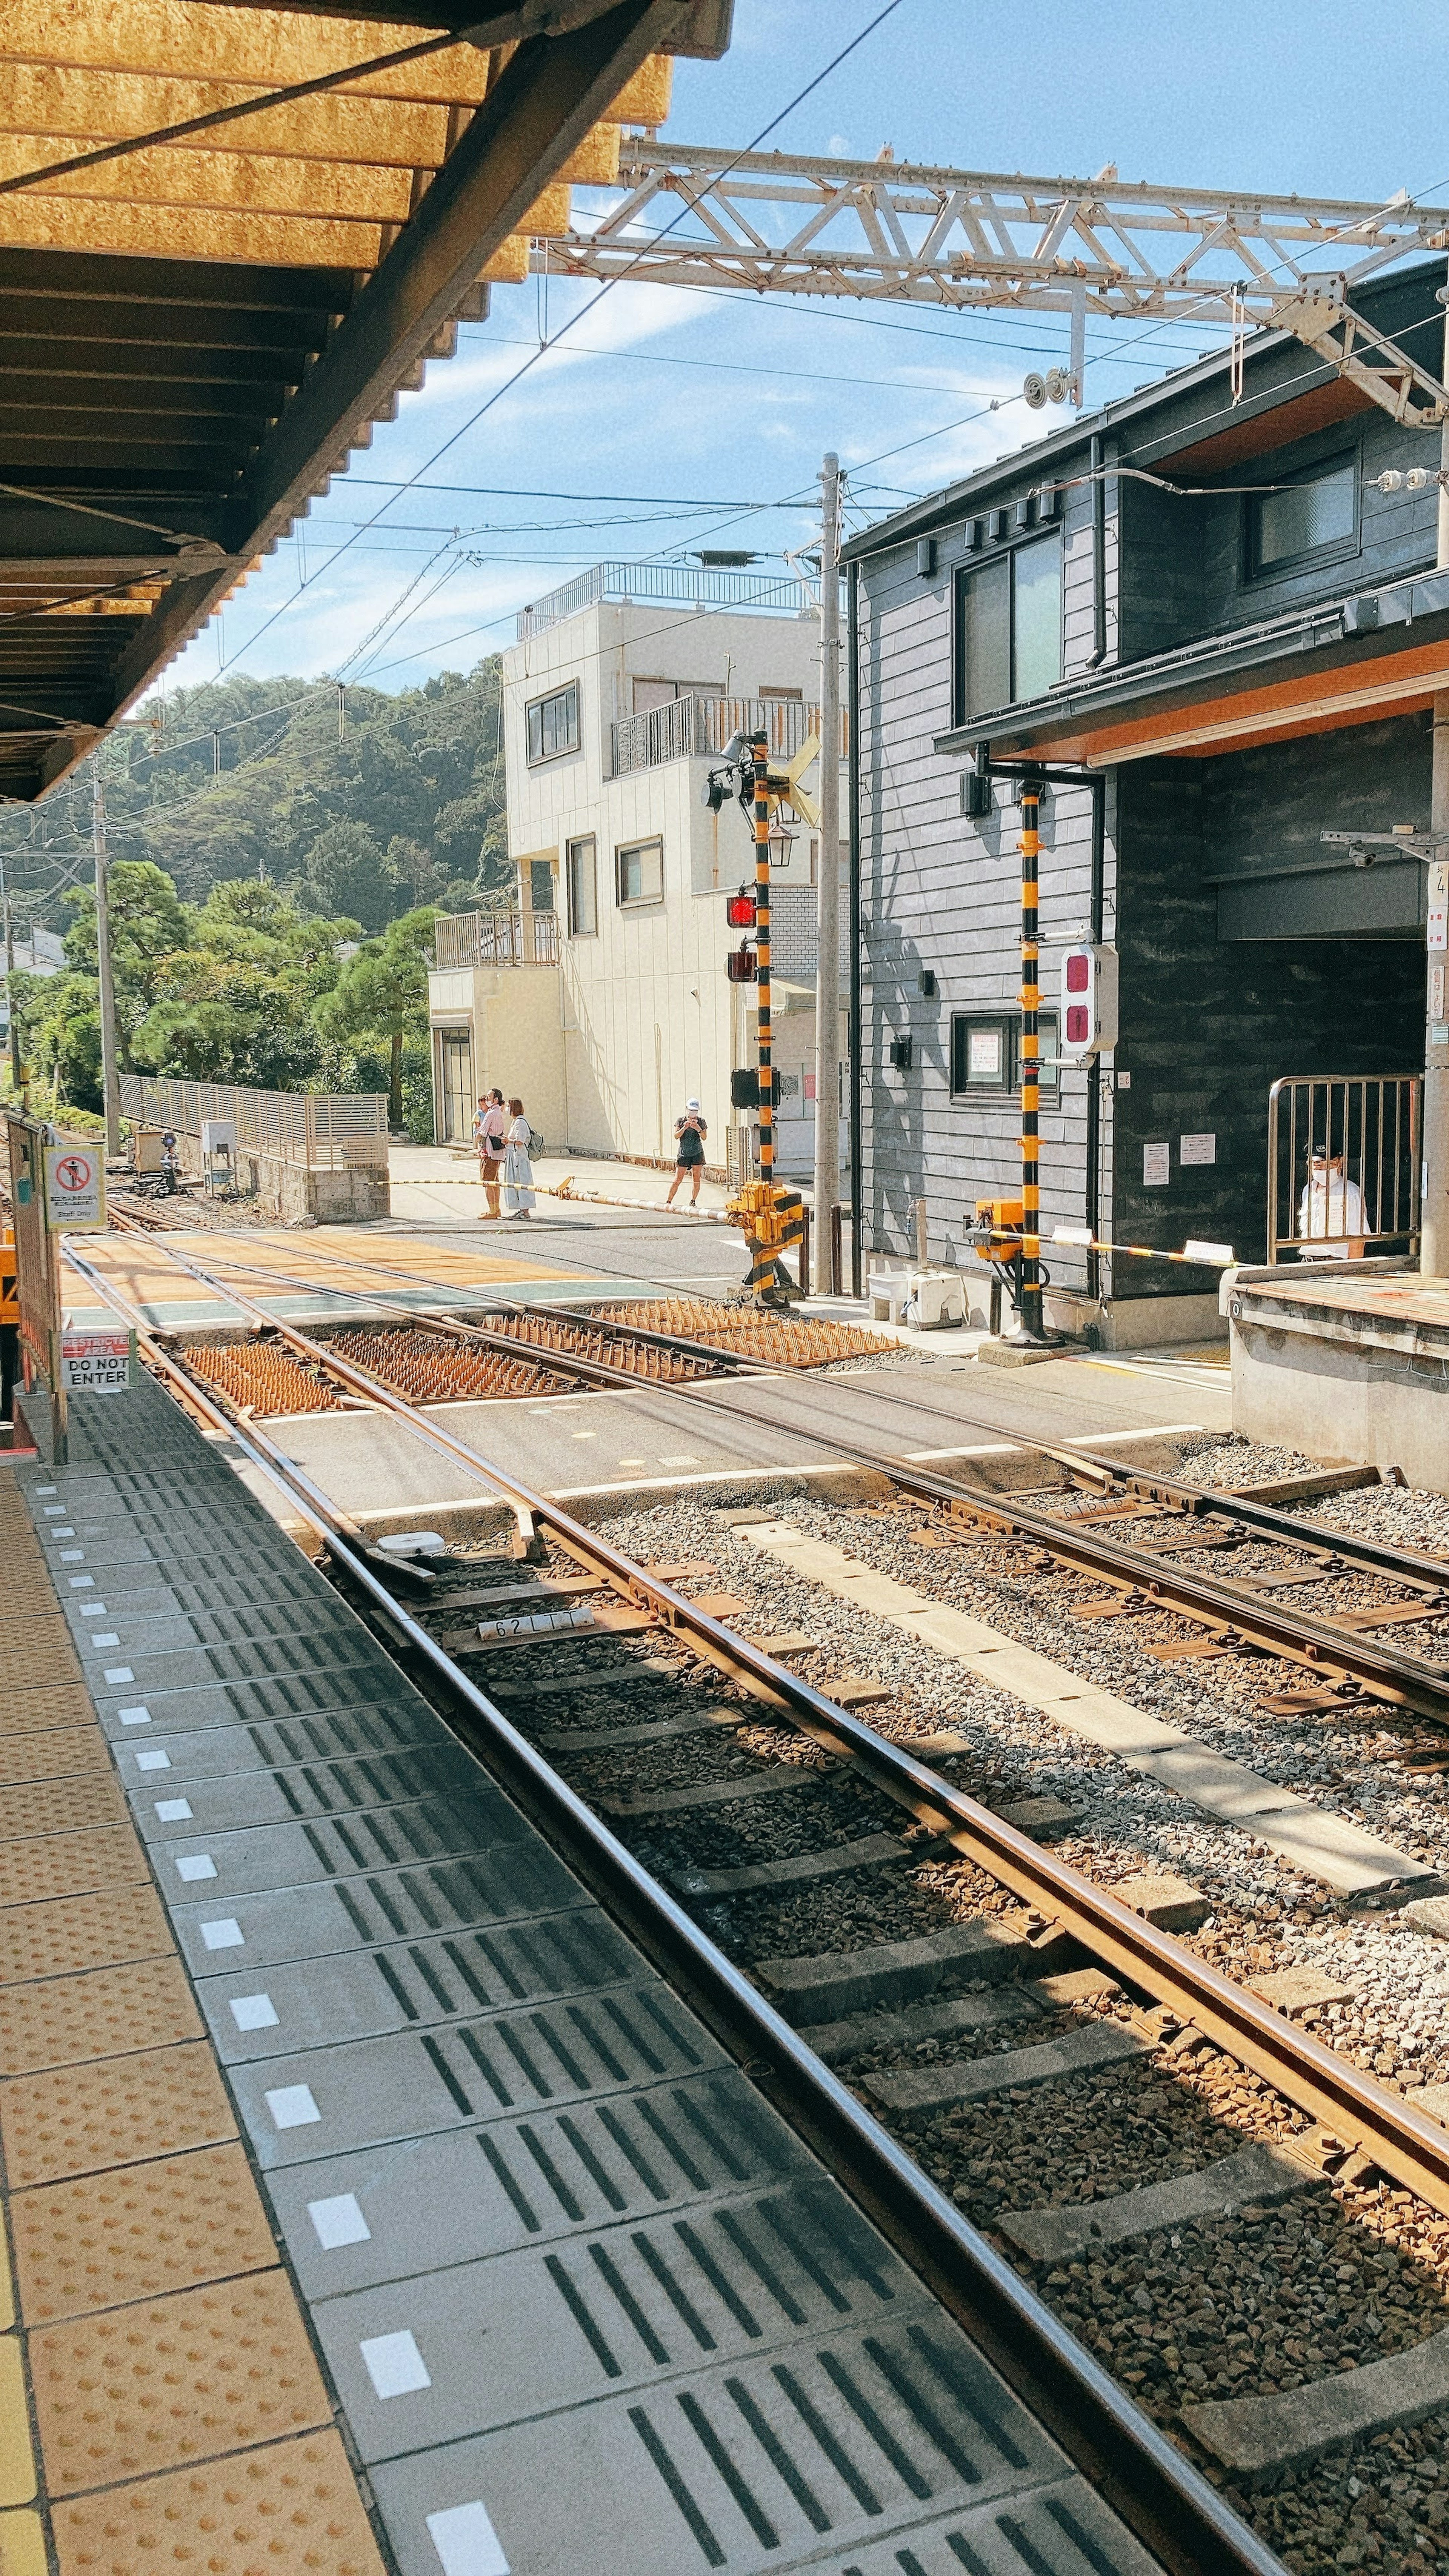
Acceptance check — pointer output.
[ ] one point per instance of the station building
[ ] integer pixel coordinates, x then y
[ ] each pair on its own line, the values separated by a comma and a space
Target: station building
602, 996
1199, 604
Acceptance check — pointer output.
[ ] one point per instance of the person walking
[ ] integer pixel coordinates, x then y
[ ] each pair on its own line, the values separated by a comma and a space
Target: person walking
690, 1132
490, 1130
517, 1169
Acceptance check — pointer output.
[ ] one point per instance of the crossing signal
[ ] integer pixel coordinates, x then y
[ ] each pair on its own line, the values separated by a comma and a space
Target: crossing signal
740, 910
1088, 1018
740, 964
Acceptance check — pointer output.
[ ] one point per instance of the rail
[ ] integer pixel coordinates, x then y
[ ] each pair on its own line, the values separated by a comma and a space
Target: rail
1345, 1164
343, 1131
699, 585
496, 939
1139, 2472
696, 727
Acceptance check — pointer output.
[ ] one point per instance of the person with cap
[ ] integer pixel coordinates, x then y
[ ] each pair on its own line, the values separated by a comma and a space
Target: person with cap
690, 1132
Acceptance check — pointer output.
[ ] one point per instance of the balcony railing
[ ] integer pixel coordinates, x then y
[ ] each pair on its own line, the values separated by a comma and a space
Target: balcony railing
496, 939
696, 728
702, 585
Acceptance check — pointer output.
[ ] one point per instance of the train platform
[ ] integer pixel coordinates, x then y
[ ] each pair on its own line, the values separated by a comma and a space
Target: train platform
373, 2204
1345, 1360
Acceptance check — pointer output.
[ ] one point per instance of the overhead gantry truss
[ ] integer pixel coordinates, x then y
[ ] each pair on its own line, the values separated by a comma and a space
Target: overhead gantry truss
984, 241
194, 336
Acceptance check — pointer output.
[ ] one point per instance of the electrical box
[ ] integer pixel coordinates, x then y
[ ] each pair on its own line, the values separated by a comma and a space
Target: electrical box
218, 1140
903, 1052
1087, 1021
925, 557
997, 1231
146, 1149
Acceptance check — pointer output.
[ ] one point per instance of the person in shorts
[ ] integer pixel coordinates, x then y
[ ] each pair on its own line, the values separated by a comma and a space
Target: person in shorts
490, 1133
690, 1132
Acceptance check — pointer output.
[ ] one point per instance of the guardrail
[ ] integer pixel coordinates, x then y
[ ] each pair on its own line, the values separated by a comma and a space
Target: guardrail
496, 939
327, 1131
1345, 1164
702, 585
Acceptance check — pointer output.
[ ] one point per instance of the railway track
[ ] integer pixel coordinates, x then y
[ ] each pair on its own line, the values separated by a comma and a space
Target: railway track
800, 1835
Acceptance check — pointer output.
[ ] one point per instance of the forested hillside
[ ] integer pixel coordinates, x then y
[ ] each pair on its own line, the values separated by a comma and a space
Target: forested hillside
398, 804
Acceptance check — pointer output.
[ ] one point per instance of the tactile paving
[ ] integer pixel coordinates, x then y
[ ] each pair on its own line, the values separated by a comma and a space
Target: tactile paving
25, 1712
59, 1807
172, 2381
83, 2119
81, 1932
108, 2013
138, 2234
57, 1753
292, 2507
39, 1652
52, 1865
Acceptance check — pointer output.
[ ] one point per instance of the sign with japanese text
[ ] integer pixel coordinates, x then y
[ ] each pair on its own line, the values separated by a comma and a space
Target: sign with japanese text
75, 1188
1439, 907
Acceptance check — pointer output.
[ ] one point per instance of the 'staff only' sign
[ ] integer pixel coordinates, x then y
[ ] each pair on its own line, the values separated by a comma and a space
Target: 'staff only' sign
75, 1188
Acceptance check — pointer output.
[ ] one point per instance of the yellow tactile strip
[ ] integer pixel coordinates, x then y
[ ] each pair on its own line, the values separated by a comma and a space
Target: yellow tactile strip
109, 2013
55, 1704
292, 2507
56, 1754
79, 1932
85, 2119
169, 2361
172, 2381
138, 2233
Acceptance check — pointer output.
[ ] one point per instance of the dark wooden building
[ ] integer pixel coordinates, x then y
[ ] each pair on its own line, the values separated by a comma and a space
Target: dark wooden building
1242, 663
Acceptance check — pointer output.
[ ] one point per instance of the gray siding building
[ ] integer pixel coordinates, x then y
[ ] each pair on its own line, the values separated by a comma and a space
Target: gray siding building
1211, 609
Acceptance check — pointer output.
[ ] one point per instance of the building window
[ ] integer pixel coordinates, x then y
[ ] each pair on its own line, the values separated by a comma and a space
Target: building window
456, 1051
1316, 515
1009, 628
553, 724
986, 1054
639, 868
583, 889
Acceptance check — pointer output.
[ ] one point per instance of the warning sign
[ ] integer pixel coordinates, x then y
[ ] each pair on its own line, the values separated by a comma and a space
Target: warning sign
95, 1363
75, 1188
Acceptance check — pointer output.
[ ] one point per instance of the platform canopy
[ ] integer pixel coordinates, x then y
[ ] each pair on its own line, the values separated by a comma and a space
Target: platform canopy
196, 334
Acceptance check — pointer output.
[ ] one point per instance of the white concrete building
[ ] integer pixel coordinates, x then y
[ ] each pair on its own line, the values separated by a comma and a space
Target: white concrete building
618, 697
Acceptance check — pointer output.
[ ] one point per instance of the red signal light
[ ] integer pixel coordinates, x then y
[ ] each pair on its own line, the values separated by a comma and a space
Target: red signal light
1079, 1025
740, 910
1079, 972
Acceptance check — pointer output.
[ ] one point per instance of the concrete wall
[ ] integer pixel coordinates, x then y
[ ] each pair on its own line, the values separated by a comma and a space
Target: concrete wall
515, 1018
293, 1193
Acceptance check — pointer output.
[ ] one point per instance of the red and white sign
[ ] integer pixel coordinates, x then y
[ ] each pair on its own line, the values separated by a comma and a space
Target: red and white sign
95, 1363
75, 1188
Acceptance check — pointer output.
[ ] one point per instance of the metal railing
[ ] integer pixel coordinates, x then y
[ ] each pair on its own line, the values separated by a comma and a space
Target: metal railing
328, 1131
1345, 1162
697, 728
496, 939
702, 585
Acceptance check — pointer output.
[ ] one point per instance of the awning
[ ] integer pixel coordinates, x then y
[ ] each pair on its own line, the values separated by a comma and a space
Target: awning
195, 336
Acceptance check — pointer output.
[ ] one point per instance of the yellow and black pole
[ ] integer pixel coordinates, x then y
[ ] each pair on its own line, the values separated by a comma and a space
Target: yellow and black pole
1030, 1307
760, 749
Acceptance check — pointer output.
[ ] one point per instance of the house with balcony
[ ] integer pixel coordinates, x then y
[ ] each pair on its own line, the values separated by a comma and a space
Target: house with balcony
603, 996
1211, 613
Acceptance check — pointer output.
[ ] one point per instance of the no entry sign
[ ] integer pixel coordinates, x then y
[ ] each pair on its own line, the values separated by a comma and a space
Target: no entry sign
95, 1363
75, 1188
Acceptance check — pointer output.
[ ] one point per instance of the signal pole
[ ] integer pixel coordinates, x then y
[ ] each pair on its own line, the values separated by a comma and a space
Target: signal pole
760, 749
109, 1085
1434, 1210
827, 970
1031, 1294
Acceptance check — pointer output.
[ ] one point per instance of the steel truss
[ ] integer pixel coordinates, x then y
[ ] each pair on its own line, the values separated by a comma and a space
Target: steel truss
972, 241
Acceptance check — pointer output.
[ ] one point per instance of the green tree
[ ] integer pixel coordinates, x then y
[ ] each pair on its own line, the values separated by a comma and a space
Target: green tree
382, 995
148, 926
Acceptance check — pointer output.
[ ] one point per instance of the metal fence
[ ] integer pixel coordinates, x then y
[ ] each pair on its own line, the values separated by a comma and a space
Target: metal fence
496, 939
699, 585
698, 728
328, 1131
1345, 1164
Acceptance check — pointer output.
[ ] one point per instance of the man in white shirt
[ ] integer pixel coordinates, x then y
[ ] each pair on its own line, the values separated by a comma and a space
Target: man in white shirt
1330, 1213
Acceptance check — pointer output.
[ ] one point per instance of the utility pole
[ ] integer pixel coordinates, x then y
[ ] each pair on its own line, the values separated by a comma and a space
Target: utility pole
10, 982
1434, 1211
1030, 1307
827, 971
103, 964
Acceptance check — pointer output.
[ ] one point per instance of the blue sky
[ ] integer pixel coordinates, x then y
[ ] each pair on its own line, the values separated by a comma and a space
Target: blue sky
725, 406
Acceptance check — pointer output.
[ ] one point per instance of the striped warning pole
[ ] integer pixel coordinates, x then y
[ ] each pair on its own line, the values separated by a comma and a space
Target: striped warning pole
760, 746
1031, 1294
